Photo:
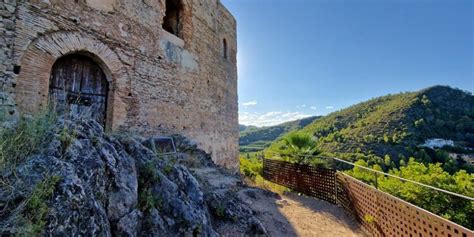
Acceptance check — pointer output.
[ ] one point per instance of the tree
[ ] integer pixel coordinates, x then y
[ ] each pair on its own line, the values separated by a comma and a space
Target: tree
299, 147
402, 163
450, 165
441, 155
361, 173
387, 161
425, 101
419, 123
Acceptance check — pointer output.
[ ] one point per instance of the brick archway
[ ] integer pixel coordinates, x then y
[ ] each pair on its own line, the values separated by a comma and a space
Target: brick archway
36, 64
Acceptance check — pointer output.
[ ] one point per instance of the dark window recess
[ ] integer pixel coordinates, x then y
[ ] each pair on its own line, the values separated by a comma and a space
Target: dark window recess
172, 19
16, 69
224, 48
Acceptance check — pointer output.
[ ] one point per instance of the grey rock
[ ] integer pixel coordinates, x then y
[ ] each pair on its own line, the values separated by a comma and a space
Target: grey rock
257, 227
114, 185
129, 225
9, 24
156, 219
5, 13
10, 8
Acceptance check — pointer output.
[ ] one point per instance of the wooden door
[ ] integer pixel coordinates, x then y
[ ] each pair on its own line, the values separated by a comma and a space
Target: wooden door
78, 88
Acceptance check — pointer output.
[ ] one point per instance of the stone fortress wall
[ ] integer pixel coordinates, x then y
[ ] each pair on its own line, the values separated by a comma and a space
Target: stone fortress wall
182, 80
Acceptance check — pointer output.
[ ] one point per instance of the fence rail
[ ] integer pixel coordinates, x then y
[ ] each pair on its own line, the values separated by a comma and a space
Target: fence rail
381, 214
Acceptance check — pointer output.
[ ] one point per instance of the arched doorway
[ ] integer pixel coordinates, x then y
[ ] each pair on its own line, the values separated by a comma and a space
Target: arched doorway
78, 88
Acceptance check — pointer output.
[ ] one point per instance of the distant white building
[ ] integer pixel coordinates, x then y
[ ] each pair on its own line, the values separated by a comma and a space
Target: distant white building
469, 158
437, 143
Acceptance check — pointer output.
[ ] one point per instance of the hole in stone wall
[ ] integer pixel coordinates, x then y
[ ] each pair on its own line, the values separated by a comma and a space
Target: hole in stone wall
172, 19
224, 48
16, 69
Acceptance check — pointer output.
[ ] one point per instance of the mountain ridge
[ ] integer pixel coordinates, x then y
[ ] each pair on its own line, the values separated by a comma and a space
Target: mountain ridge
395, 124
252, 138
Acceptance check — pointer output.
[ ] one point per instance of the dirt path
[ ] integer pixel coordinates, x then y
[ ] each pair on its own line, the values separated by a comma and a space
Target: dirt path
289, 214
293, 215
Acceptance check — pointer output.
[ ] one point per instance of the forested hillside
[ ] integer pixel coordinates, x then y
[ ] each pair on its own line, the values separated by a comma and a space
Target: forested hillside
254, 138
389, 129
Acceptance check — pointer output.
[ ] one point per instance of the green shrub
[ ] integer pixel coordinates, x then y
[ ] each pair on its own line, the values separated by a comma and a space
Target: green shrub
27, 137
220, 211
251, 167
66, 137
36, 208
147, 177
147, 200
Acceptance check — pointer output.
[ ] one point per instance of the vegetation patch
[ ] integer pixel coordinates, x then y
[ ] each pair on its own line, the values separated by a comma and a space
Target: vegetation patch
251, 167
395, 126
147, 178
219, 211
34, 215
26, 137
146, 200
66, 137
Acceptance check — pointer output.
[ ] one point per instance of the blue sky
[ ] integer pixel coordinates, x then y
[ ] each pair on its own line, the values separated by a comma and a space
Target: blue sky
311, 57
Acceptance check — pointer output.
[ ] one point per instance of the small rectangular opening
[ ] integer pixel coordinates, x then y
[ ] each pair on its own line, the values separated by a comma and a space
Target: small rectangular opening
16, 69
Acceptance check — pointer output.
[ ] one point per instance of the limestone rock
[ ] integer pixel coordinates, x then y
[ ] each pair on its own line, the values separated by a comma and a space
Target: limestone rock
115, 186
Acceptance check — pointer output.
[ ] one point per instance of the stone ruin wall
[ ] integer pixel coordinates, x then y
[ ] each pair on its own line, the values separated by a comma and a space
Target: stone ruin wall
159, 83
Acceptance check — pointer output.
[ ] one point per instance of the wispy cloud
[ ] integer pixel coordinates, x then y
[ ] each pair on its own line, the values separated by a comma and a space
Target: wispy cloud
250, 103
329, 107
269, 118
313, 107
301, 106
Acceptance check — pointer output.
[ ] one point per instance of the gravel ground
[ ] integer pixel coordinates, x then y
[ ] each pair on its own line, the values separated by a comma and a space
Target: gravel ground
284, 215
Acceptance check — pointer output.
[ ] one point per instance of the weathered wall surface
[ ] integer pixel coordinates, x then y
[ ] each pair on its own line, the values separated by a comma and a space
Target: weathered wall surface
159, 83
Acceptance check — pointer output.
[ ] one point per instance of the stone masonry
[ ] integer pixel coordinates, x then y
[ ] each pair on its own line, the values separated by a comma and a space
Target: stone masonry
159, 82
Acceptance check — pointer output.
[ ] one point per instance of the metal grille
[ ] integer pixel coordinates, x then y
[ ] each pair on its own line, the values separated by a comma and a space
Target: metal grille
312, 181
380, 213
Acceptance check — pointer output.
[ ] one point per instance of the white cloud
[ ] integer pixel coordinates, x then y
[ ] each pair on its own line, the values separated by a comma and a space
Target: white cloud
313, 107
269, 118
250, 103
301, 106
329, 107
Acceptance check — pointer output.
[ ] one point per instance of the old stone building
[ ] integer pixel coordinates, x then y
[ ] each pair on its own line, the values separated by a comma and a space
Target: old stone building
149, 66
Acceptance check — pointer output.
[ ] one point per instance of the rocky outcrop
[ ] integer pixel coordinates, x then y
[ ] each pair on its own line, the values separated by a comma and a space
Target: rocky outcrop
86, 182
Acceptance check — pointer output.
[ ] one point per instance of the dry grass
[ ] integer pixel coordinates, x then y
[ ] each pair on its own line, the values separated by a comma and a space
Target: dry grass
26, 137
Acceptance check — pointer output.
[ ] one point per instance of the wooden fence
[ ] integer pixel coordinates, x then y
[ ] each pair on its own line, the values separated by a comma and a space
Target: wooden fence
309, 180
380, 214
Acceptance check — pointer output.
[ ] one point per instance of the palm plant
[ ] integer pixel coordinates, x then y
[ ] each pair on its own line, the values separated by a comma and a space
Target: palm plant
299, 147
